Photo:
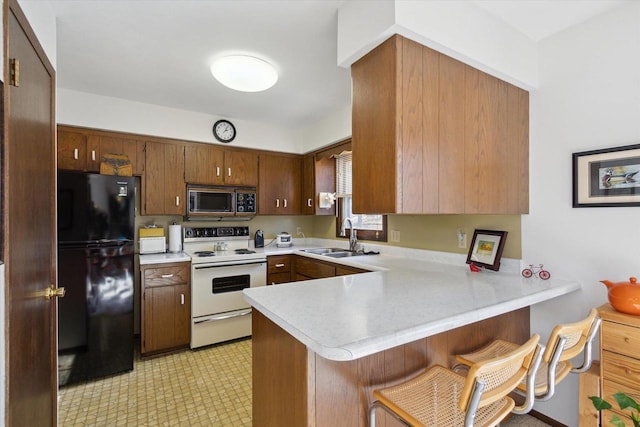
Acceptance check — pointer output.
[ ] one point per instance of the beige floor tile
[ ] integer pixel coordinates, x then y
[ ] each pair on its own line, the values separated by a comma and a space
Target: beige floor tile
208, 387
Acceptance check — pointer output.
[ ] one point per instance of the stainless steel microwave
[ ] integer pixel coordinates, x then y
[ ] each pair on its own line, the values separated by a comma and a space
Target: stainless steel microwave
221, 201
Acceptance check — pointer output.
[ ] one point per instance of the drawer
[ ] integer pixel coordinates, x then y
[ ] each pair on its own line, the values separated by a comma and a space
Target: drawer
620, 338
621, 369
276, 278
313, 269
167, 275
278, 264
609, 388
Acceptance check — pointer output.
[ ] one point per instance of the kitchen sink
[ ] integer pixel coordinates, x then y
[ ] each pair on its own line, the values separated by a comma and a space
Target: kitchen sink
324, 251
342, 254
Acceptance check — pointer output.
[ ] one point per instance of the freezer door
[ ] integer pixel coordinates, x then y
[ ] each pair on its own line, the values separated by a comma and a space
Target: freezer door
94, 207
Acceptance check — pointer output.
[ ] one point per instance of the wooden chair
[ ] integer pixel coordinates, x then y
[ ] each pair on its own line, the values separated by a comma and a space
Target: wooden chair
565, 342
442, 397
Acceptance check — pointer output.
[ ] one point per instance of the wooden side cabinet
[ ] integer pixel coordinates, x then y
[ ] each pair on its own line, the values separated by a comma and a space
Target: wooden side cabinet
166, 307
278, 269
163, 187
619, 356
280, 178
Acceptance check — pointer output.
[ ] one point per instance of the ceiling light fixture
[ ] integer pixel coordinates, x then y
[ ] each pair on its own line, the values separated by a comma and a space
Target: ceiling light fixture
244, 73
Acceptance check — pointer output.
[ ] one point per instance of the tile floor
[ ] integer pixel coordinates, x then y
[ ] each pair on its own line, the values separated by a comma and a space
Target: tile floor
209, 387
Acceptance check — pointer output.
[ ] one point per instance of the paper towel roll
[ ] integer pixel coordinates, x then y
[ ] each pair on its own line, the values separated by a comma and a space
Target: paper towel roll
175, 238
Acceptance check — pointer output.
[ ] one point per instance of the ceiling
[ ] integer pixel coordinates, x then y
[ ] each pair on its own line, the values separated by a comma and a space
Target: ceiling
159, 52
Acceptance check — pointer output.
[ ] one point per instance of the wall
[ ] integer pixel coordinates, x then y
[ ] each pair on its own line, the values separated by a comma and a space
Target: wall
103, 112
589, 98
438, 232
459, 29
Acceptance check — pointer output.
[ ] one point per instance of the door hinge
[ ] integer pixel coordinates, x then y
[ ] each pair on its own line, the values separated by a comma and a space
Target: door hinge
14, 72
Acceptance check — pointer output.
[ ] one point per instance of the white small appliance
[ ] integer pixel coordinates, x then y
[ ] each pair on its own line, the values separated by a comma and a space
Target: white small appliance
284, 240
153, 245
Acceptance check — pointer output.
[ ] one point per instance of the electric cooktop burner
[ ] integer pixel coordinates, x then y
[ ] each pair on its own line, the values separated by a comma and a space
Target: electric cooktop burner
244, 251
204, 253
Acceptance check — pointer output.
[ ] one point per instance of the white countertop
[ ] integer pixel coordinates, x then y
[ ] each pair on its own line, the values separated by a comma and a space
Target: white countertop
164, 258
410, 297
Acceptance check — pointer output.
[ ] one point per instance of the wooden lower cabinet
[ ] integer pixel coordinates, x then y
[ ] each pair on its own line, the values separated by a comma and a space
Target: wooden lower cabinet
279, 269
307, 269
293, 386
619, 356
166, 307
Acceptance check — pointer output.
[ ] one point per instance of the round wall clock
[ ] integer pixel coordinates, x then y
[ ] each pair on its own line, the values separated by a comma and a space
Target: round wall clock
224, 131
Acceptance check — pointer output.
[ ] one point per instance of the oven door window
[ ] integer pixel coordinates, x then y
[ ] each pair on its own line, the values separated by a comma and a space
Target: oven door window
220, 285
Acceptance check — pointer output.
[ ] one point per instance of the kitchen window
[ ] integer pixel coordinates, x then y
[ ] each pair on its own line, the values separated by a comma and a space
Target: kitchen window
368, 227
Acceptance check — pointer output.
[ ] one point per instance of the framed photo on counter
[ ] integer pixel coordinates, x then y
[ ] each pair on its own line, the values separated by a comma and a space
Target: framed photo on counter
486, 248
607, 177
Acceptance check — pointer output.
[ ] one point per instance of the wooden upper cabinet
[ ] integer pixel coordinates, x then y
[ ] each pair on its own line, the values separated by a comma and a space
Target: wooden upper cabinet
203, 164
434, 135
82, 149
72, 150
163, 187
280, 178
210, 165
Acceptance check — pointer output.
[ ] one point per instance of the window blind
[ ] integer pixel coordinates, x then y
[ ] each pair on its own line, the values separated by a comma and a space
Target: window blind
343, 174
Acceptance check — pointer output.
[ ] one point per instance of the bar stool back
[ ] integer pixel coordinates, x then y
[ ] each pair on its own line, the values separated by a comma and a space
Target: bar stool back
440, 397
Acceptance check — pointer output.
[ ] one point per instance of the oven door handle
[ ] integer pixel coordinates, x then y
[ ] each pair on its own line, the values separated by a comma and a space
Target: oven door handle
223, 316
226, 264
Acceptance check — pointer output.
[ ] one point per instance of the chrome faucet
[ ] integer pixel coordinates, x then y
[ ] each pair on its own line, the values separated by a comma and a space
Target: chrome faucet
353, 239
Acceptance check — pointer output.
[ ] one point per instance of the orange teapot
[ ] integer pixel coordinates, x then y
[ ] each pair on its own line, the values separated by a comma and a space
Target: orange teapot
624, 296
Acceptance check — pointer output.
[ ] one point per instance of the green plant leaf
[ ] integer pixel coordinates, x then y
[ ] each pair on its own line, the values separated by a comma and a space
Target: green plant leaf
625, 401
616, 421
600, 403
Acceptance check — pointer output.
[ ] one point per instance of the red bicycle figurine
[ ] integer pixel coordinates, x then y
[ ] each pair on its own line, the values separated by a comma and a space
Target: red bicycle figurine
536, 270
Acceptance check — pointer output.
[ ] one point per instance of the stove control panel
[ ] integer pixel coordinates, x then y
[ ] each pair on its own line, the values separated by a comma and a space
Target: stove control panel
197, 233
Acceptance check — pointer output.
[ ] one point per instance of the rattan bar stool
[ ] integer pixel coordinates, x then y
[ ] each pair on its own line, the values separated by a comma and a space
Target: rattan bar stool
441, 397
565, 342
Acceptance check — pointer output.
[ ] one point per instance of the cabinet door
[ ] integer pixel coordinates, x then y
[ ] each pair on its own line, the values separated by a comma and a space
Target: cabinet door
204, 164
174, 185
308, 190
280, 185
163, 185
72, 151
98, 146
241, 168
166, 317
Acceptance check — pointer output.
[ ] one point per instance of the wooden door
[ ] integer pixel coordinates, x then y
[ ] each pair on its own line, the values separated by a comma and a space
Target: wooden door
29, 228
182, 321
308, 177
241, 168
153, 179
175, 189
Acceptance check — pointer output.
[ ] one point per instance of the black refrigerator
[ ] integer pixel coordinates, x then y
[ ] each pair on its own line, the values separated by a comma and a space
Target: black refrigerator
95, 266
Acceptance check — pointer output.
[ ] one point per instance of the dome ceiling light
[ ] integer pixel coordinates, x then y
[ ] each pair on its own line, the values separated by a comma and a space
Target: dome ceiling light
244, 73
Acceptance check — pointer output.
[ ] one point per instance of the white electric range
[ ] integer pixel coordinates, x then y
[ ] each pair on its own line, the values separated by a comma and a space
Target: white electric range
222, 265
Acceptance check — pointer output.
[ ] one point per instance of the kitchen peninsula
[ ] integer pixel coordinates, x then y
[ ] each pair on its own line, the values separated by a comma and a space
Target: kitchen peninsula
320, 347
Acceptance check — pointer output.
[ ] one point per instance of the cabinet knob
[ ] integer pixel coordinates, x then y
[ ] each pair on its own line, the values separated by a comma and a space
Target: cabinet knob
181, 299
277, 203
309, 203
167, 276
75, 154
217, 170
93, 155
285, 203
229, 171
177, 200
279, 265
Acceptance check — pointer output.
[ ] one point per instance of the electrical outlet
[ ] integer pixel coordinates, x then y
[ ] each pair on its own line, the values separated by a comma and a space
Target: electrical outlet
395, 235
299, 230
462, 238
